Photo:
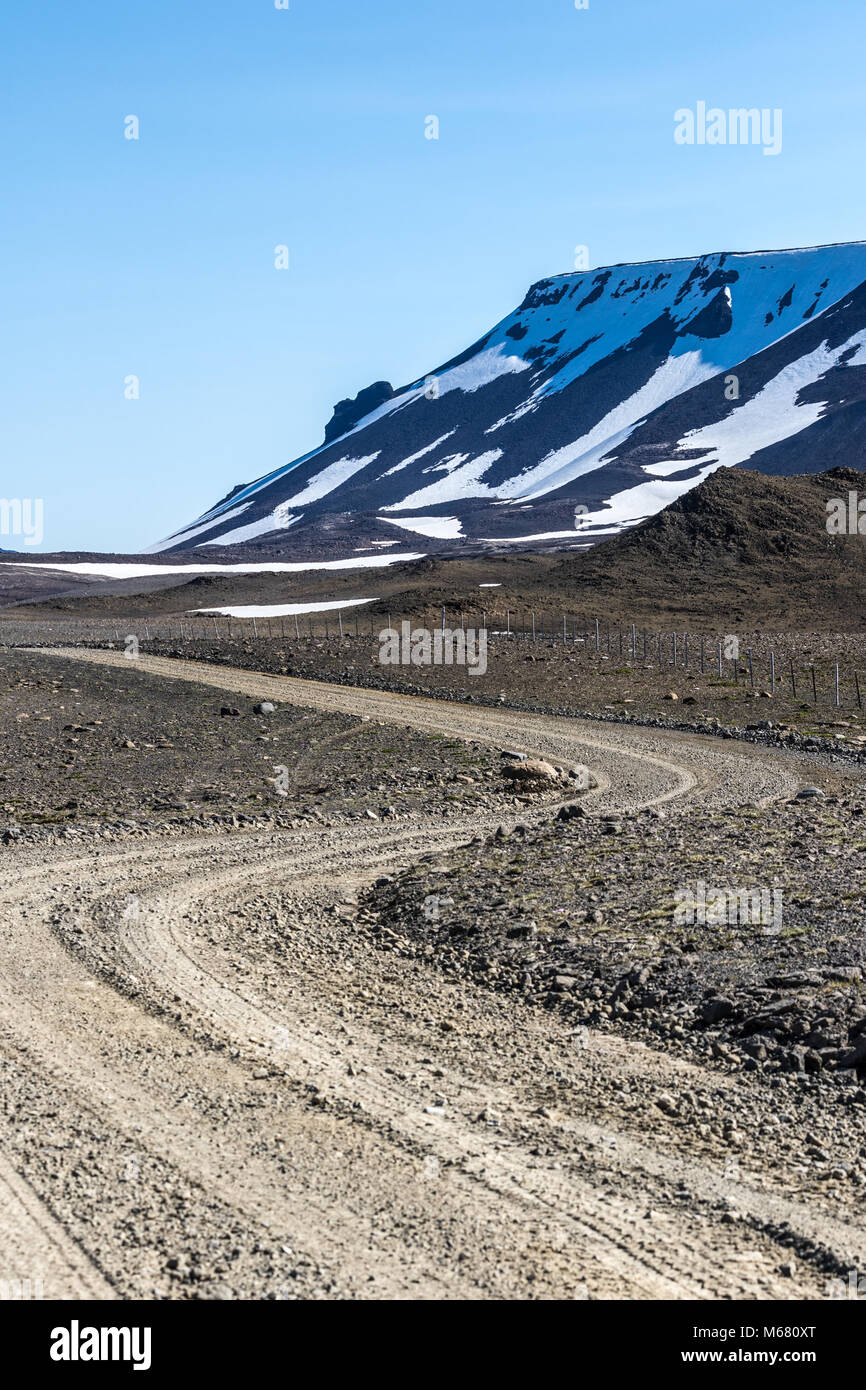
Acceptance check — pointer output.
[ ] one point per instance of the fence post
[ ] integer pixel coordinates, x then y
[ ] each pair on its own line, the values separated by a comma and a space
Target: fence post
719, 653
773, 673
814, 687
597, 637
836, 684
857, 686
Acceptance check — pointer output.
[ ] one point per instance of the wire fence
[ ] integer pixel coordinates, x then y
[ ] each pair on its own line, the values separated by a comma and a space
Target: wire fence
784, 664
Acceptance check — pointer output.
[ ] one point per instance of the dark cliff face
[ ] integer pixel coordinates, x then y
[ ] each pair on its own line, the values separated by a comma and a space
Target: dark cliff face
347, 413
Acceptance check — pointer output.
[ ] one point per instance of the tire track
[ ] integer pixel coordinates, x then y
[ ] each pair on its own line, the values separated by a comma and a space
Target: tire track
575, 1223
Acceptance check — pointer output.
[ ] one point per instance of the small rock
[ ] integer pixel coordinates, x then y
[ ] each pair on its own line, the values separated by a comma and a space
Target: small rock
714, 1010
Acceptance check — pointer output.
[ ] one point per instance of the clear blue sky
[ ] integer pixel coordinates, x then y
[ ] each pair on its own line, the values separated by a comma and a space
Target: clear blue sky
305, 127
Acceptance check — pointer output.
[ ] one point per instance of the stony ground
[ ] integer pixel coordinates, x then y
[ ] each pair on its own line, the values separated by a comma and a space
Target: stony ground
598, 919
552, 677
91, 750
365, 1059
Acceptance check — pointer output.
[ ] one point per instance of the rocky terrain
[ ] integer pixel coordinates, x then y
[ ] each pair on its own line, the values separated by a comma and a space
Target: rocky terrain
551, 677
102, 754
581, 916
469, 1055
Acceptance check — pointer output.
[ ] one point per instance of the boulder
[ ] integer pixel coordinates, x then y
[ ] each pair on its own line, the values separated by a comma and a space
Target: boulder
532, 772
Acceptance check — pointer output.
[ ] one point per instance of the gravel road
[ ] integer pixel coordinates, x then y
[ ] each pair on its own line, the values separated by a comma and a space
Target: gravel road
215, 1087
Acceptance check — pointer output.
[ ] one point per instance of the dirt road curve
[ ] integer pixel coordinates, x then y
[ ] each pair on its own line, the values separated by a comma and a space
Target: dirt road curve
215, 1086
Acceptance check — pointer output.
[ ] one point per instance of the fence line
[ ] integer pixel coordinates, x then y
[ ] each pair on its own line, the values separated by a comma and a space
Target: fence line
595, 642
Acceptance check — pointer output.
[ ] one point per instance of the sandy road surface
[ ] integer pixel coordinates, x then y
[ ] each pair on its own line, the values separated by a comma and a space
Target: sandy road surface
218, 1088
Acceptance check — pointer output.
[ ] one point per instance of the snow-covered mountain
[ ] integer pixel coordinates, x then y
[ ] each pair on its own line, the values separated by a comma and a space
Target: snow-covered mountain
607, 393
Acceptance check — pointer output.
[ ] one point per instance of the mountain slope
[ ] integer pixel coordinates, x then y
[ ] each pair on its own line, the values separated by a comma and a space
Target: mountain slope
613, 390
752, 548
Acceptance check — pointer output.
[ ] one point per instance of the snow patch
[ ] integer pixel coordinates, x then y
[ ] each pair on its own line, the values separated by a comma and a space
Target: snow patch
192, 531
562, 466
444, 528
329, 478
97, 570
282, 610
277, 520
462, 482
413, 458
769, 417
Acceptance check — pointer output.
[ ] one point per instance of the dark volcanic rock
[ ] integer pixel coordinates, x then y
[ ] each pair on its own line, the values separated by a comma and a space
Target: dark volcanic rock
348, 412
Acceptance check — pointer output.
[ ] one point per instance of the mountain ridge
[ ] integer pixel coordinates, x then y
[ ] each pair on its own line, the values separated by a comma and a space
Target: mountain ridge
602, 397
